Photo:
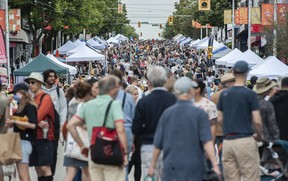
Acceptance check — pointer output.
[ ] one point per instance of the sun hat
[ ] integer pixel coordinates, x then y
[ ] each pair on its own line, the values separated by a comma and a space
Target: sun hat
263, 85
35, 76
18, 87
183, 85
241, 67
229, 77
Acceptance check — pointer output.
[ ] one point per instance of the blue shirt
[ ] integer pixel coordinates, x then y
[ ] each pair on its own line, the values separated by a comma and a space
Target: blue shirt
181, 132
128, 109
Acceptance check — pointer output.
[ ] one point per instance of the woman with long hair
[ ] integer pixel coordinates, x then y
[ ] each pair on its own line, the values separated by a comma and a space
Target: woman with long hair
82, 94
24, 122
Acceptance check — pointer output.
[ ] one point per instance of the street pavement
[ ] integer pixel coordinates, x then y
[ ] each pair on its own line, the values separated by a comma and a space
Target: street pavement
60, 169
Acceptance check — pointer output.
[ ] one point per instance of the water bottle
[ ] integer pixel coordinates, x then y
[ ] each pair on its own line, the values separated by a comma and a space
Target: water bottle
45, 132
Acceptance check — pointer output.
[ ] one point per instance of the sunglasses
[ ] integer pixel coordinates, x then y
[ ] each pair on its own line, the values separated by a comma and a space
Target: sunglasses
31, 82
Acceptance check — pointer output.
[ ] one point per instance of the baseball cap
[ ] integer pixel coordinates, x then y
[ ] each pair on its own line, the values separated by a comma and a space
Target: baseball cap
183, 85
18, 87
241, 67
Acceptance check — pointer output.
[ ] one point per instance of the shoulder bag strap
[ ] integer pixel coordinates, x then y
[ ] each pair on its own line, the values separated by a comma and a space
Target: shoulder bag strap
124, 98
41, 99
106, 113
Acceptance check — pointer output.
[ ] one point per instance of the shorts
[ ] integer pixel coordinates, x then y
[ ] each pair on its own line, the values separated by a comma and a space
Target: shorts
26, 151
42, 154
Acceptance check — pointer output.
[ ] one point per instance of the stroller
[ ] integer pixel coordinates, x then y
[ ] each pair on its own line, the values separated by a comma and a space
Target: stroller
274, 161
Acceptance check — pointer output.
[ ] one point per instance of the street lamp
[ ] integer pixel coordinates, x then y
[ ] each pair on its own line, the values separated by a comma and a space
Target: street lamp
233, 24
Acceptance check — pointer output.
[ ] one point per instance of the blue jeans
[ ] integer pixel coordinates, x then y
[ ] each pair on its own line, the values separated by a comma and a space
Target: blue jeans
129, 137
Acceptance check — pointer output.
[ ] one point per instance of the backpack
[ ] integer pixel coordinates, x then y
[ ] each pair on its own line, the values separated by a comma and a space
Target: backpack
56, 118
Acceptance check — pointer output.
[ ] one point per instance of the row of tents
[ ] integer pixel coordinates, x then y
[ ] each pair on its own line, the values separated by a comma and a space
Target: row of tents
271, 67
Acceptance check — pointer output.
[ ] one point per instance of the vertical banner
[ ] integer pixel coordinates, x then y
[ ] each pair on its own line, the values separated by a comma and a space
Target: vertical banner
255, 15
243, 15
237, 17
2, 19
15, 19
3, 57
281, 13
228, 16
267, 14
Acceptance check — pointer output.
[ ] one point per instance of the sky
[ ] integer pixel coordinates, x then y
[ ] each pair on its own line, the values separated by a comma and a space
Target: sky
151, 11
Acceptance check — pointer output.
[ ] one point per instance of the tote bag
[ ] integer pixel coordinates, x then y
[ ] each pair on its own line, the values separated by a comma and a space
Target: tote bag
10, 149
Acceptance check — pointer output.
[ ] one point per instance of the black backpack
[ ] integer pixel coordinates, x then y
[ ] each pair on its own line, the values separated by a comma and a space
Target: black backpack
56, 119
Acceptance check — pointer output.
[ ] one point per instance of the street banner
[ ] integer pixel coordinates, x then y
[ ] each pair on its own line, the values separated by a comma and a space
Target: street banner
282, 12
255, 15
237, 17
267, 14
2, 19
14, 19
3, 57
228, 16
243, 15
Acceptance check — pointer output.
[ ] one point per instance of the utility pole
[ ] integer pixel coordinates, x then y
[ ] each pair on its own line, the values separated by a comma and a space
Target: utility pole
233, 24
7, 41
275, 29
249, 24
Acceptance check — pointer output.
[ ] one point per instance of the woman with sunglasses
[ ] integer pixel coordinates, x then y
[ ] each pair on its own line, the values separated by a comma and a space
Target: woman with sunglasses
24, 121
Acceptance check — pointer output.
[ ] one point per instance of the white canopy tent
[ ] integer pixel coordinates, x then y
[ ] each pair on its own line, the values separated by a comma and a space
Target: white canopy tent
220, 52
250, 57
185, 41
69, 45
113, 40
85, 54
199, 42
271, 68
72, 70
180, 39
77, 42
204, 45
177, 36
194, 42
230, 56
100, 40
121, 37
74, 50
95, 44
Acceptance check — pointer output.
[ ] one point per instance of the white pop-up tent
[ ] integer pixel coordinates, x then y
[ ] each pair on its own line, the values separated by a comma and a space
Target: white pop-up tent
95, 44
176, 37
186, 41
72, 70
74, 50
85, 54
230, 56
194, 44
271, 68
69, 45
249, 56
220, 52
77, 42
204, 45
113, 40
121, 37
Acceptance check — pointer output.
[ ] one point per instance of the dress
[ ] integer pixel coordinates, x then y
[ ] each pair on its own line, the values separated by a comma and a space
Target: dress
72, 162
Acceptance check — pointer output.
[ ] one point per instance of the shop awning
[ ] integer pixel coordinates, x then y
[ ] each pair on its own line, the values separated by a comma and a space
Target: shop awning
20, 36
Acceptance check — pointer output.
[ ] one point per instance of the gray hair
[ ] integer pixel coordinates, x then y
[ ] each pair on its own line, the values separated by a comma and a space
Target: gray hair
107, 83
157, 76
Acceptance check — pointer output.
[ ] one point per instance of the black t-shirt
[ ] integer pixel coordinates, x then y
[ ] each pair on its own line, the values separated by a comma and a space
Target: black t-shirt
31, 112
237, 104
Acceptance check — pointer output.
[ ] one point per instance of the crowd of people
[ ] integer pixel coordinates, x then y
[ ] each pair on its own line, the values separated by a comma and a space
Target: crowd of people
175, 114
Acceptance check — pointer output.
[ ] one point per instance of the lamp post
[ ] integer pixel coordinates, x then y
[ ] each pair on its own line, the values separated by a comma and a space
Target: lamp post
249, 24
7, 41
275, 29
233, 24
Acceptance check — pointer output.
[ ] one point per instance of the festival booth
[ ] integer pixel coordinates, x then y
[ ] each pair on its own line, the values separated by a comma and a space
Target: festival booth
85, 54
95, 44
181, 38
121, 37
40, 64
185, 41
271, 68
72, 70
230, 56
194, 44
77, 42
76, 49
204, 45
249, 56
176, 37
220, 52
100, 40
69, 45
113, 40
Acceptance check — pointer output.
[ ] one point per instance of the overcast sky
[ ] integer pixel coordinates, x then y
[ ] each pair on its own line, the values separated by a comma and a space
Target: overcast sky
151, 11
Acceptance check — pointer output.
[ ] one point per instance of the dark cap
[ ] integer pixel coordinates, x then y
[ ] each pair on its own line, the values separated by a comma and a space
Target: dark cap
241, 67
18, 87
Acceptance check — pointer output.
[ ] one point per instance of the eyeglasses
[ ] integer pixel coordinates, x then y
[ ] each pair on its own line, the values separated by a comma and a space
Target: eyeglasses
31, 82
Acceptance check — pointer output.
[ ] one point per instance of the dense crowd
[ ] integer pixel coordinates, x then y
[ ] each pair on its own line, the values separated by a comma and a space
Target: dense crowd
165, 110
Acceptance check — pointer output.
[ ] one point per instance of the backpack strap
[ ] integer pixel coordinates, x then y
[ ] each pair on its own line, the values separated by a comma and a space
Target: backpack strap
41, 99
123, 101
58, 91
106, 113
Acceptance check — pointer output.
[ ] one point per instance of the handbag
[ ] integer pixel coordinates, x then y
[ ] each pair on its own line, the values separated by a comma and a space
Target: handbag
10, 149
72, 148
105, 146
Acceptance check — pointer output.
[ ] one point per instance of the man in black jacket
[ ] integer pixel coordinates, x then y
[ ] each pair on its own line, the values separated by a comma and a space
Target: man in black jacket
147, 114
280, 103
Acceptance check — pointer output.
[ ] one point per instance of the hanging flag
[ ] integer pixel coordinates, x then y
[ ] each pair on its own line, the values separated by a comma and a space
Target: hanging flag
255, 15
228, 16
281, 14
2, 19
237, 17
243, 16
3, 57
14, 19
267, 14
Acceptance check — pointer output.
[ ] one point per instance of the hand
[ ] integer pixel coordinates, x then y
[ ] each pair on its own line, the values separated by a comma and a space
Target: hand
257, 137
43, 124
9, 123
84, 151
125, 161
151, 171
217, 171
133, 148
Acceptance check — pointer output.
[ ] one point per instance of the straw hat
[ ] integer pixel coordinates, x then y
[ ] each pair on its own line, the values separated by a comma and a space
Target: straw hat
263, 85
229, 77
35, 76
